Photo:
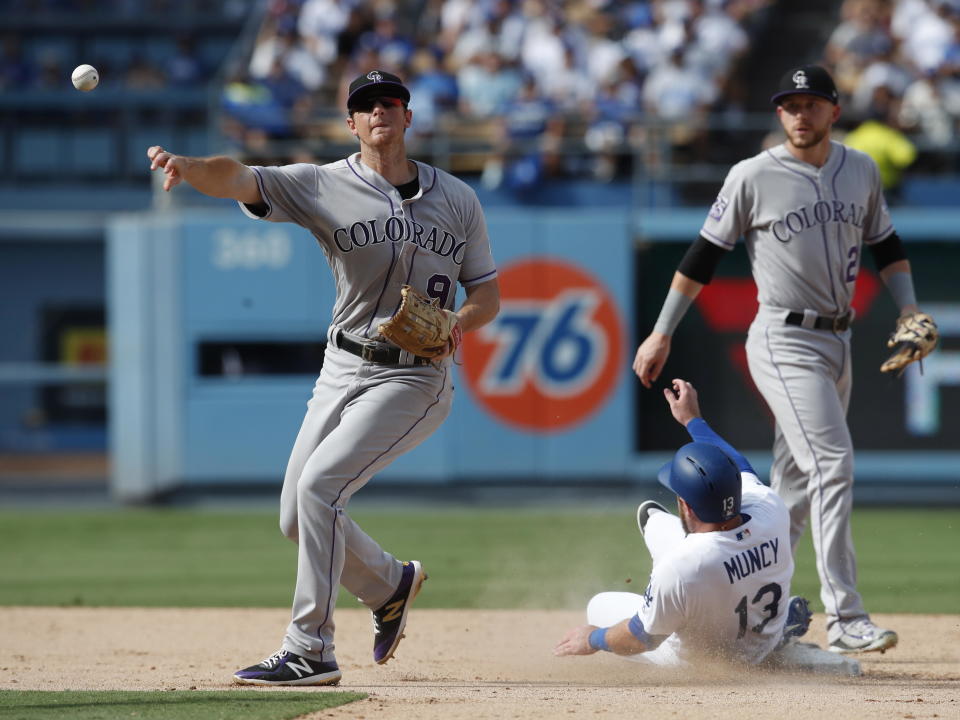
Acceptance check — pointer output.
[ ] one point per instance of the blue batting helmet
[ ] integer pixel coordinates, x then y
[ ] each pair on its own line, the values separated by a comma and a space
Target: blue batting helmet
707, 480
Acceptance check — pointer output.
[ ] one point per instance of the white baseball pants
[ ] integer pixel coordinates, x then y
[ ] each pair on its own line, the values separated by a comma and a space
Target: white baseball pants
662, 532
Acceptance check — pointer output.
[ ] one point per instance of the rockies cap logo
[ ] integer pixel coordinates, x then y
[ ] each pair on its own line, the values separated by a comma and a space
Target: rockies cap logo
800, 80
375, 76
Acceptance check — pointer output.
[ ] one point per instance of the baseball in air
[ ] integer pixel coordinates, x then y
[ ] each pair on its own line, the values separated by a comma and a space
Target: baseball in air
85, 77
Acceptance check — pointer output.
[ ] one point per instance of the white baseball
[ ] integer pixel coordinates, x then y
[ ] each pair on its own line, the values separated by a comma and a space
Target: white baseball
85, 77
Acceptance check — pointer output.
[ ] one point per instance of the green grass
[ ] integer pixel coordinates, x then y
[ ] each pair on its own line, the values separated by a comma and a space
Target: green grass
97, 705
475, 558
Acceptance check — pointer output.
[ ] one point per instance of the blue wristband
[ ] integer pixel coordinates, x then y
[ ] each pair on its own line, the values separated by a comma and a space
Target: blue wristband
598, 639
638, 631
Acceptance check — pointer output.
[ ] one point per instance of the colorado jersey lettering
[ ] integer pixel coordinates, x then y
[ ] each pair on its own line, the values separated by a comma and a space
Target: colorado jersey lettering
804, 240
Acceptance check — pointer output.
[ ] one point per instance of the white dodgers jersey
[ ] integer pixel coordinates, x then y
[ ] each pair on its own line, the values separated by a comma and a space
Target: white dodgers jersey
725, 594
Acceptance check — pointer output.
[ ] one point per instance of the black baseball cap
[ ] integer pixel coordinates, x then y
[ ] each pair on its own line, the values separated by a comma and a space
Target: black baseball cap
806, 80
377, 83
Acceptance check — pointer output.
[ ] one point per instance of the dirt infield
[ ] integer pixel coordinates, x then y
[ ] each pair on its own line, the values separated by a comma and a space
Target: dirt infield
458, 664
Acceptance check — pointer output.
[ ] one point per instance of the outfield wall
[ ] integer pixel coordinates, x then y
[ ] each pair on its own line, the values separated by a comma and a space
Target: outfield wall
217, 326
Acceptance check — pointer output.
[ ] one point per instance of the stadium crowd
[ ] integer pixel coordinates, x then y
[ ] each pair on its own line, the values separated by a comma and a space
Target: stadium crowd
530, 71
538, 76
897, 64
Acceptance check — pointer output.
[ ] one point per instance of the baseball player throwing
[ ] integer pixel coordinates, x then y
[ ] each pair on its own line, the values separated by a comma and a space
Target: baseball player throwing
383, 222
720, 585
806, 209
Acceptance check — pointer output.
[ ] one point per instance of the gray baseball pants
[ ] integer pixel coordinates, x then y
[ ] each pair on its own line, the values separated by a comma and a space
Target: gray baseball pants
360, 418
804, 376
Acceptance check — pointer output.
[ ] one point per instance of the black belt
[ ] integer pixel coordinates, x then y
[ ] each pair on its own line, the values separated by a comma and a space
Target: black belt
375, 352
837, 324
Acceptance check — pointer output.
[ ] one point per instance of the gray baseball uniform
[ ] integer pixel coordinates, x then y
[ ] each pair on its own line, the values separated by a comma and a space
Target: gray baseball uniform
804, 229
363, 415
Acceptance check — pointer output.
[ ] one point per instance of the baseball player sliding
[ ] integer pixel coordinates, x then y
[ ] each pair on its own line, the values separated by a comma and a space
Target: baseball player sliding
806, 209
720, 584
386, 224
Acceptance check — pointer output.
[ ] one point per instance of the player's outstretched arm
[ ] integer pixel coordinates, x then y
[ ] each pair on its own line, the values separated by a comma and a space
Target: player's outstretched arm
685, 409
588, 639
653, 352
219, 176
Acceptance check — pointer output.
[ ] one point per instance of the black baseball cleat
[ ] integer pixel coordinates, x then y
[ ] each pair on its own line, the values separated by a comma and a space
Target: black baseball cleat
644, 510
287, 668
391, 618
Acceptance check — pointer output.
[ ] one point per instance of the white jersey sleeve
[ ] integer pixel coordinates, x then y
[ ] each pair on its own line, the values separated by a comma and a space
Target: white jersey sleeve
662, 610
729, 216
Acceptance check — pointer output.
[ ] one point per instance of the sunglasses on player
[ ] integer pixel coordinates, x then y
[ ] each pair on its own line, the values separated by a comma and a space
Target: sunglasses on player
366, 105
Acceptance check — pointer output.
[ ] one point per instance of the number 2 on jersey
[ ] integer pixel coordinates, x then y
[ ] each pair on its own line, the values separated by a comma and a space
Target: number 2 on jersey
772, 608
854, 256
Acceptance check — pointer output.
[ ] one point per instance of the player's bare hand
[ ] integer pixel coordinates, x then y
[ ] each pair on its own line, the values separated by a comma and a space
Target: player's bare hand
682, 399
651, 357
576, 642
171, 165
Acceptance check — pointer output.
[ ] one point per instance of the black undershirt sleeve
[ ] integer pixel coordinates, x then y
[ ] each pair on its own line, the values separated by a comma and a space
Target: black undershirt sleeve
701, 260
887, 251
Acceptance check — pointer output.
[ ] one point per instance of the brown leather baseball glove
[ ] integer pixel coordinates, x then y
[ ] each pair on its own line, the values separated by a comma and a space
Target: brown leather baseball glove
420, 325
915, 337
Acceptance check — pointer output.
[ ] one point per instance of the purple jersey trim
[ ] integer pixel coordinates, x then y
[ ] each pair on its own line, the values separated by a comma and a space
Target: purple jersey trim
263, 194
843, 161
433, 182
881, 236
386, 281
367, 182
823, 227
717, 239
409, 430
479, 278
393, 248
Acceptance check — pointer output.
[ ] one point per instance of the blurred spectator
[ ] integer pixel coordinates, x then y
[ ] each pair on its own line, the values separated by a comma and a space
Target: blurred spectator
883, 141
320, 23
141, 74
675, 92
253, 108
185, 67
926, 31
285, 44
923, 113
487, 85
883, 71
567, 84
385, 39
51, 73
16, 70
608, 130
860, 37
432, 89
529, 139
